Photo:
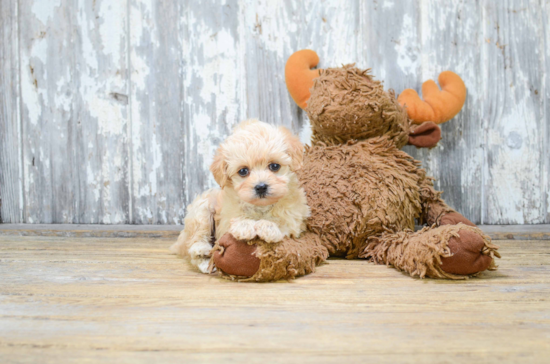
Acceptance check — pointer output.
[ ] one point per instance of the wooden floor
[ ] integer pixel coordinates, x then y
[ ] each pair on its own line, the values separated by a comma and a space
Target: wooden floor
127, 300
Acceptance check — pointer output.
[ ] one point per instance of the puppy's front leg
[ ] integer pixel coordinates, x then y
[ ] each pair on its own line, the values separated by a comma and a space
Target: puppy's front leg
199, 254
242, 229
195, 239
268, 231
245, 229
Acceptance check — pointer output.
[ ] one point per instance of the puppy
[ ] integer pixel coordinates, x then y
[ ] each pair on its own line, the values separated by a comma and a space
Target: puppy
259, 194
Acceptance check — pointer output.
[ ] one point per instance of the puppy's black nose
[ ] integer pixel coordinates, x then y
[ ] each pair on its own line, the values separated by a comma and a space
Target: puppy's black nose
261, 189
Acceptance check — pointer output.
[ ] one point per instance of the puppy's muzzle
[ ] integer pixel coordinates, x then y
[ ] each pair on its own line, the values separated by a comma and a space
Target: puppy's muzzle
261, 190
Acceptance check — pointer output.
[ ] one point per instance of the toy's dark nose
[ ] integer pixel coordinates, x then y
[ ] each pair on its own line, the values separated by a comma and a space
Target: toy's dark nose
261, 189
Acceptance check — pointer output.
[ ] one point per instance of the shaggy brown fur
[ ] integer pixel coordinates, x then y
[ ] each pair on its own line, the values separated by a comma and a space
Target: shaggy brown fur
360, 189
347, 103
285, 260
420, 253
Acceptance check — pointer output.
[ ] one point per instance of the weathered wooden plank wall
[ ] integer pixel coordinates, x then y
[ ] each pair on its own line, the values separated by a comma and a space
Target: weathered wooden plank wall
11, 194
111, 110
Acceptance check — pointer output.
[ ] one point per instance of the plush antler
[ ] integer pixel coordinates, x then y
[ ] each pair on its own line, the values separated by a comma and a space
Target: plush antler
299, 75
438, 105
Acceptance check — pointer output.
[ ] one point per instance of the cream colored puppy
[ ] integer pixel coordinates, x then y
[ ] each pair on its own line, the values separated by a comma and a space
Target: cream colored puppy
259, 194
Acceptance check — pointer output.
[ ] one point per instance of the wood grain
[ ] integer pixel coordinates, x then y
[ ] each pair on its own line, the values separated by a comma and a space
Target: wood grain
157, 137
111, 111
129, 300
213, 86
545, 10
515, 134
11, 174
74, 113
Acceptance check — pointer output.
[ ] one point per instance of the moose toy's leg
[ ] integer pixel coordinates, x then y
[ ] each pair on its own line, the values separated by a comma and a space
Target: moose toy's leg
436, 211
260, 261
468, 254
448, 251
470, 250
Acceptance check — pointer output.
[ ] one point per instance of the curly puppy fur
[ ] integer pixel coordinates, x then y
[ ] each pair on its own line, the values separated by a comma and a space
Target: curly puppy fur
259, 194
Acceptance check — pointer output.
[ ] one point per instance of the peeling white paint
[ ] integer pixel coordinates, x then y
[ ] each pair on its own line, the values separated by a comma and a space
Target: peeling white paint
30, 94
512, 162
111, 30
407, 57
306, 132
109, 116
91, 179
45, 10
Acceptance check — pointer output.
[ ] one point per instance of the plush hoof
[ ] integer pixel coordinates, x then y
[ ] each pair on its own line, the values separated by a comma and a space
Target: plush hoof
237, 257
468, 257
453, 218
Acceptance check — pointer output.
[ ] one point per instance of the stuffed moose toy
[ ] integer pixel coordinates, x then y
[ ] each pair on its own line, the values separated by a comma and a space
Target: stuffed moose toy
364, 192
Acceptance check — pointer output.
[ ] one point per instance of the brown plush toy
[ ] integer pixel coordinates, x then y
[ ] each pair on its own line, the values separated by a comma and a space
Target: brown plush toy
364, 192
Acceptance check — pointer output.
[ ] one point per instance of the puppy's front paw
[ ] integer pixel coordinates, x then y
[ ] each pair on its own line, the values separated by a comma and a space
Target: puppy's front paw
200, 253
242, 229
203, 264
200, 249
268, 231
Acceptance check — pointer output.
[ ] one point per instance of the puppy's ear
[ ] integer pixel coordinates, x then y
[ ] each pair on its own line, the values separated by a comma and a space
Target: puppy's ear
295, 149
219, 168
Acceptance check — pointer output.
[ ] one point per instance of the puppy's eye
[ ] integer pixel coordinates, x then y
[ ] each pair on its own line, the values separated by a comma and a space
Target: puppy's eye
274, 167
243, 172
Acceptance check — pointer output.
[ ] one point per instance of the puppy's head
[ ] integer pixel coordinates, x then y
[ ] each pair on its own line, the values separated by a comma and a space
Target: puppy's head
258, 161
